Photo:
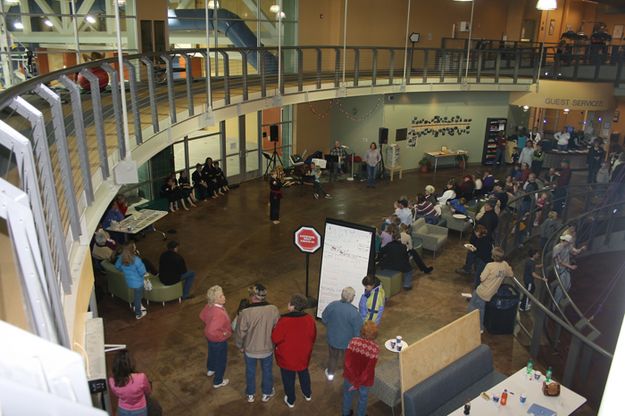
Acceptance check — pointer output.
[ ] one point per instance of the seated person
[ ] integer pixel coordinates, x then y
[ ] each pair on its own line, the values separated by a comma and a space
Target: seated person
172, 192
318, 190
477, 181
113, 214
458, 206
173, 269
394, 256
430, 194
488, 181
199, 184
516, 173
103, 247
403, 212
122, 204
209, 175
386, 235
222, 182
186, 189
406, 240
500, 195
425, 209
449, 193
466, 188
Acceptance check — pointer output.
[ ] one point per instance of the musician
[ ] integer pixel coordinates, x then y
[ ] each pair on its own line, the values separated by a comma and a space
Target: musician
275, 194
338, 155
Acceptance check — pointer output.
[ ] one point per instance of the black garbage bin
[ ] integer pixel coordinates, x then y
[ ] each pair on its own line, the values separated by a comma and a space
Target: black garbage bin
500, 312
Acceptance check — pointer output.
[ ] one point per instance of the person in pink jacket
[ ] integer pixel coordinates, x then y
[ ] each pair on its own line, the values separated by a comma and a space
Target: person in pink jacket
130, 387
217, 329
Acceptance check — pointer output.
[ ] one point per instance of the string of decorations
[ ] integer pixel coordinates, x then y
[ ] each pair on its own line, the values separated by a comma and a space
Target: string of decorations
350, 115
441, 126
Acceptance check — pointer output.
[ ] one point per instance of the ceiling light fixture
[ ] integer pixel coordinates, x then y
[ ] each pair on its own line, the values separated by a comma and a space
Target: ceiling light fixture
90, 19
547, 4
275, 8
18, 25
525, 108
47, 22
281, 15
213, 4
566, 111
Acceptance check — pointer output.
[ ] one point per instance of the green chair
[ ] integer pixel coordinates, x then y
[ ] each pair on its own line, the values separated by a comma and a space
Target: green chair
117, 283
391, 281
162, 293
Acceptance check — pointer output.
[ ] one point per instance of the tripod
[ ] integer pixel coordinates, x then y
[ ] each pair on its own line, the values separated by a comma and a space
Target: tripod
272, 160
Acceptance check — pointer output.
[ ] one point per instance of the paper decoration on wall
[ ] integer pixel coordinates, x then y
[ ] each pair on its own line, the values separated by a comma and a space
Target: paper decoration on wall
412, 137
441, 126
351, 114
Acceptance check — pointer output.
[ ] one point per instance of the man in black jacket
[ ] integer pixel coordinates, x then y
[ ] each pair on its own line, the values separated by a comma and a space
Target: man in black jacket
173, 269
489, 219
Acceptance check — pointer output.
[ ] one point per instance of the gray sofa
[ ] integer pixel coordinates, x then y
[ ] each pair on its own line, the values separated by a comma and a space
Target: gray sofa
432, 236
456, 224
454, 385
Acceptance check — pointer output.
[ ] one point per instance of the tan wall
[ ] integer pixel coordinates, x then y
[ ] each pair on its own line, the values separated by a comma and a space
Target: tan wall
312, 131
83, 294
11, 296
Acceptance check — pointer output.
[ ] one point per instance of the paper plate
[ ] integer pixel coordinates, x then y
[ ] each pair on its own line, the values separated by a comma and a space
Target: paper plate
469, 246
460, 216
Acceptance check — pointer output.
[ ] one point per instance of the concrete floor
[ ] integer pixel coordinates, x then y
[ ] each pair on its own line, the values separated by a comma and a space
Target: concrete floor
231, 242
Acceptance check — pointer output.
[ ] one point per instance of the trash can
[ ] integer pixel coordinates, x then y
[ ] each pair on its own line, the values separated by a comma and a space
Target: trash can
500, 312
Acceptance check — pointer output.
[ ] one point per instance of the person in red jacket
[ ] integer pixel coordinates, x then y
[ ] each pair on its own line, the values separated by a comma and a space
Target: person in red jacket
359, 370
217, 330
294, 336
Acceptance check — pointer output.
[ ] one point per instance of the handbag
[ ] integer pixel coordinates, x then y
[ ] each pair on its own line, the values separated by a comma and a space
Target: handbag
147, 284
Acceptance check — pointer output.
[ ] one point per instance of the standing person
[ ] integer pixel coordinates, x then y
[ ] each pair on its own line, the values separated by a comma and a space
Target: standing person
134, 271
372, 158
130, 387
172, 269
596, 155
343, 322
490, 280
338, 154
371, 305
500, 155
562, 138
360, 360
562, 183
562, 258
527, 153
294, 337
529, 274
479, 254
253, 338
489, 218
275, 195
538, 157
217, 330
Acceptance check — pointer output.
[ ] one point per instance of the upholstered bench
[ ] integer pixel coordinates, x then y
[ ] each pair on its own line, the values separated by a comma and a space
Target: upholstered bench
391, 281
162, 293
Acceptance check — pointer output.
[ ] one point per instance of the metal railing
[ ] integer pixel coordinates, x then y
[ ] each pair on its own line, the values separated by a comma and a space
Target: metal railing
72, 117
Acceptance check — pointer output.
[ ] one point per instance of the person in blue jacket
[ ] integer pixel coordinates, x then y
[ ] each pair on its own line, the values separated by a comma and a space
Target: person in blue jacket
343, 322
134, 270
371, 305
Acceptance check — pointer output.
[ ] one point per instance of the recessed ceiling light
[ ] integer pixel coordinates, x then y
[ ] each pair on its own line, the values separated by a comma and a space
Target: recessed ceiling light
90, 19
18, 25
275, 8
47, 22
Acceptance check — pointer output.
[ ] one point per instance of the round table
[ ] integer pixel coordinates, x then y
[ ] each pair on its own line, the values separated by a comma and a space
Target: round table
387, 344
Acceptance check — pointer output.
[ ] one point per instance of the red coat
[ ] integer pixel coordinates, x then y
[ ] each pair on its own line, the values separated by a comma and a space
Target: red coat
217, 326
360, 360
294, 336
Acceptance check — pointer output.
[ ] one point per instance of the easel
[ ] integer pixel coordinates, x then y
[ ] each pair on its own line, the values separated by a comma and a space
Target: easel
273, 160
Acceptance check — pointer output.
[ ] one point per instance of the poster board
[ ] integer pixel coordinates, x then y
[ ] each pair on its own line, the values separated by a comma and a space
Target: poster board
347, 256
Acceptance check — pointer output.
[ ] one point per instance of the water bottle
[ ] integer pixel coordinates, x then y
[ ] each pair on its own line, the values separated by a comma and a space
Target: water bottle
530, 366
548, 375
504, 398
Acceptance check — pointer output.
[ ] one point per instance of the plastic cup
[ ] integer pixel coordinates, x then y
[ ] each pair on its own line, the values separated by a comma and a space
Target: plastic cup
537, 375
399, 347
522, 398
398, 339
393, 343
496, 399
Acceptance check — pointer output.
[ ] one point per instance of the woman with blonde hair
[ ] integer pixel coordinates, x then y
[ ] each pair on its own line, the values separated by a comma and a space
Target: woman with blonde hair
134, 271
361, 357
217, 330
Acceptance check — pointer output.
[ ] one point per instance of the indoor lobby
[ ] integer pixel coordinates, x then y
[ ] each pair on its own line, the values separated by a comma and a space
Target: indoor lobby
290, 97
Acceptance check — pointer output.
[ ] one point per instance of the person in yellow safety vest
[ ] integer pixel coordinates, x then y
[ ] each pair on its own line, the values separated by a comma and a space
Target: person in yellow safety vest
371, 304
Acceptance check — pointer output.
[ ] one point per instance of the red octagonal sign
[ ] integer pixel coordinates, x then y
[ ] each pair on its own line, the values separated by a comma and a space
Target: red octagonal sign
307, 239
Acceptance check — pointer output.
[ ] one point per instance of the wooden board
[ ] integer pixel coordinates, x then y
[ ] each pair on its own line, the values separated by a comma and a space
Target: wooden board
439, 349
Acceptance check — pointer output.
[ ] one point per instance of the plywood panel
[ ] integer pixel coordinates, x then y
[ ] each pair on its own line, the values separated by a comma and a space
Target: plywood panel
439, 349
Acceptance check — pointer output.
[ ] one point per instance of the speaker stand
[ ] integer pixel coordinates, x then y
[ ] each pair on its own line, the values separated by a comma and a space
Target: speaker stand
273, 160
351, 178
383, 170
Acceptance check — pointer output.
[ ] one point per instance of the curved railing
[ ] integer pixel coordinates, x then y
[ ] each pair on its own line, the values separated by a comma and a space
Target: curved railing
75, 140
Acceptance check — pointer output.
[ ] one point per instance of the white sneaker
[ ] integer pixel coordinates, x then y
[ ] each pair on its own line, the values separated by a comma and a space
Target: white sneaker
250, 398
329, 376
223, 383
210, 373
143, 313
267, 397
328, 196
308, 398
143, 308
316, 196
286, 401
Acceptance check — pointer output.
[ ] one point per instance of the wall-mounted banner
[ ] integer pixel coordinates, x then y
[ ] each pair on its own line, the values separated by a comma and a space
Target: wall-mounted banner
441, 126
591, 96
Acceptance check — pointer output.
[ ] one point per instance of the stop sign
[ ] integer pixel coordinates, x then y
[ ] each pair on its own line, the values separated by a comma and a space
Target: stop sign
307, 239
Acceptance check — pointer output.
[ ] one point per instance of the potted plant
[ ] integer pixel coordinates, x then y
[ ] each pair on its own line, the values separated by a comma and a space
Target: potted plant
425, 165
462, 160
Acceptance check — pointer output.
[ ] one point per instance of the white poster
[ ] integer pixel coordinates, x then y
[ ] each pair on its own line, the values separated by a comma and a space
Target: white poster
347, 250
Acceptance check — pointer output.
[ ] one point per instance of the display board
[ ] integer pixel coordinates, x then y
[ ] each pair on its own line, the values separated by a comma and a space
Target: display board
346, 258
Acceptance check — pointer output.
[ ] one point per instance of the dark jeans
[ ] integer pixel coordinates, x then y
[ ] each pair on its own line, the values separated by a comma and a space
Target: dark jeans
187, 281
500, 156
348, 396
266, 365
318, 189
559, 199
335, 170
417, 259
469, 262
274, 209
525, 300
370, 175
336, 357
137, 295
592, 174
217, 359
288, 380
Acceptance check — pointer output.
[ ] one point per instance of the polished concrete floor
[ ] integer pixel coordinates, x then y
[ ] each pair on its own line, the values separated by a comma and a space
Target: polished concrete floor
231, 242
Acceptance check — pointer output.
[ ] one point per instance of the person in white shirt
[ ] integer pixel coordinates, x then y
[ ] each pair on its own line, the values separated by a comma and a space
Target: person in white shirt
527, 153
535, 137
449, 193
563, 139
403, 212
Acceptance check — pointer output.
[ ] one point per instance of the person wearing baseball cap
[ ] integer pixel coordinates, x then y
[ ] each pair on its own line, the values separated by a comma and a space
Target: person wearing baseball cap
562, 260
